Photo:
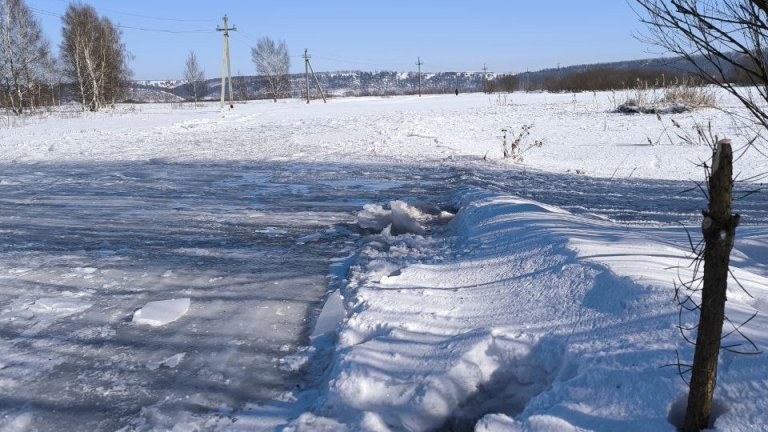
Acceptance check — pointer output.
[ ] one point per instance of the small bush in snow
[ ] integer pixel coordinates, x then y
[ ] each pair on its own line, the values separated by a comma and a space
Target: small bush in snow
517, 148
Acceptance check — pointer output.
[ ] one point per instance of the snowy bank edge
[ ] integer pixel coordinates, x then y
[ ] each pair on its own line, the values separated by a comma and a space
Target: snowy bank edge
342, 406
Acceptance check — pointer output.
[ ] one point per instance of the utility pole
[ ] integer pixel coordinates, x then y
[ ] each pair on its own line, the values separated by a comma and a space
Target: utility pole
419, 63
527, 79
225, 65
307, 70
485, 79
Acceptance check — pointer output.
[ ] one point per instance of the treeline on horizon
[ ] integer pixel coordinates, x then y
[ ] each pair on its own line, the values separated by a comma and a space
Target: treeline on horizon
602, 78
598, 78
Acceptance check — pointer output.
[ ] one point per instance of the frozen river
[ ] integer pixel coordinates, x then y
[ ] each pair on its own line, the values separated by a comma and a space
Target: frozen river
85, 245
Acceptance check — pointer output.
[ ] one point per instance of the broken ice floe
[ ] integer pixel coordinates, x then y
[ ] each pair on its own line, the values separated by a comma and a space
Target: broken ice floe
161, 312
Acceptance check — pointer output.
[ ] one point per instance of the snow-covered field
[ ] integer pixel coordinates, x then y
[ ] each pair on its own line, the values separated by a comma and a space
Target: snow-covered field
367, 264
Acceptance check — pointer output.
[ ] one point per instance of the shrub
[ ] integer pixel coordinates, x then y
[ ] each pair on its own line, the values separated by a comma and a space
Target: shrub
677, 97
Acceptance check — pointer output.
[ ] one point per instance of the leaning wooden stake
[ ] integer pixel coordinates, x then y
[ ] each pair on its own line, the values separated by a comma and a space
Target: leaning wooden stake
719, 229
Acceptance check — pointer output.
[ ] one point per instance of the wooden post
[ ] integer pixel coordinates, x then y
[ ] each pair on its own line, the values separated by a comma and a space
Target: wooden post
719, 229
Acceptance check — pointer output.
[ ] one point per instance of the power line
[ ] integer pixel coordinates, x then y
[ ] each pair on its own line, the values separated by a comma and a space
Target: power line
164, 30
147, 16
340, 60
155, 30
45, 12
391, 62
243, 38
158, 18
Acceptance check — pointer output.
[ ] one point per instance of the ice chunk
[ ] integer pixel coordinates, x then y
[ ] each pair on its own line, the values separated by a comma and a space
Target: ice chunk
170, 362
373, 216
161, 312
405, 218
331, 315
402, 218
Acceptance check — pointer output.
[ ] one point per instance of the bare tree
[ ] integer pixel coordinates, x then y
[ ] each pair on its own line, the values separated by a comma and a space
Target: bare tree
241, 87
725, 42
24, 57
194, 77
93, 56
113, 57
272, 61
54, 79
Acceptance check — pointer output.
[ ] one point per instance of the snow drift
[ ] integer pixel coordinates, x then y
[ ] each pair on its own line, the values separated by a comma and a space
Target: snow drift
524, 318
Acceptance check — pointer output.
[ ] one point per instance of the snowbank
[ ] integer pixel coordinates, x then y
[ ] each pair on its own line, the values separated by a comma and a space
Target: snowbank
527, 318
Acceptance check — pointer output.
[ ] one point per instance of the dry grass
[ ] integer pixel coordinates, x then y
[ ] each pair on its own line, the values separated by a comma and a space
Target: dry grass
676, 97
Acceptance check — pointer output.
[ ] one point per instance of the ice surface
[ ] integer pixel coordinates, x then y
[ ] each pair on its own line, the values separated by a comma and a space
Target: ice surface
127, 235
58, 307
161, 312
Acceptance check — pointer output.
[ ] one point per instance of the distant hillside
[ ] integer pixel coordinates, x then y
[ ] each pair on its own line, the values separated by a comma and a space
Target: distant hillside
598, 76
618, 75
650, 65
345, 83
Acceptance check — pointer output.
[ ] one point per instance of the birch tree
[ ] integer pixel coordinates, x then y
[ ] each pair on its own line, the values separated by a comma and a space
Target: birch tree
194, 76
25, 57
272, 61
93, 57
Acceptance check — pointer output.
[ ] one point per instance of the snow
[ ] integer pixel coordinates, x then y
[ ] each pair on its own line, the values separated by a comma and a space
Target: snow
578, 130
370, 264
162, 312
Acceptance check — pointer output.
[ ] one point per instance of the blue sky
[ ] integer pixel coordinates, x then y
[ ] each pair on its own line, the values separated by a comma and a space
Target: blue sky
449, 35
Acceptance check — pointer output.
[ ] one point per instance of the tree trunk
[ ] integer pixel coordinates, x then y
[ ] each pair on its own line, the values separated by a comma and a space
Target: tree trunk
719, 229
